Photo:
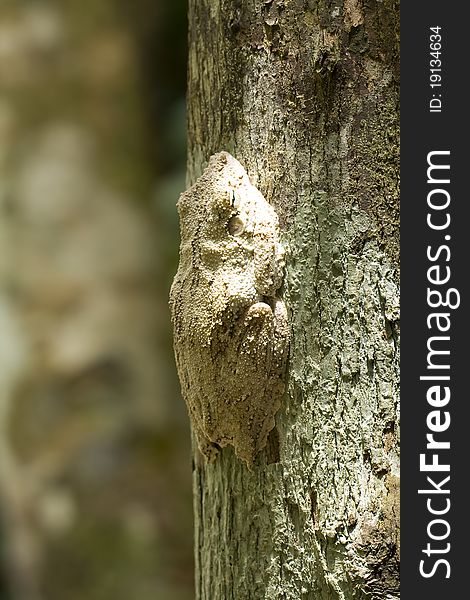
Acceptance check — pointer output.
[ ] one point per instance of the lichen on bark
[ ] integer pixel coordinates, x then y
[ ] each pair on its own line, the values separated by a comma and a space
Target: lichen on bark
305, 94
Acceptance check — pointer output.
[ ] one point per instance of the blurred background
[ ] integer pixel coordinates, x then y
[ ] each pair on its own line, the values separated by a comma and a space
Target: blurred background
95, 498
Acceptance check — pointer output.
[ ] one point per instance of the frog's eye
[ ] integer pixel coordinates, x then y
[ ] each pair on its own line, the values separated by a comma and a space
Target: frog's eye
235, 226
234, 199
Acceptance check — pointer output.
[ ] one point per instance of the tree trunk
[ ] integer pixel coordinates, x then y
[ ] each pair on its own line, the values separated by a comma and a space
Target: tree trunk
305, 94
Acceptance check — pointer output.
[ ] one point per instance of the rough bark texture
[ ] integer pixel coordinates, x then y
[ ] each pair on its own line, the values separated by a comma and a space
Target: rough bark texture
305, 94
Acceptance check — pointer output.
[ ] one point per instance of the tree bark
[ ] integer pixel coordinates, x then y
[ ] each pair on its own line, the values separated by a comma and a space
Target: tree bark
305, 95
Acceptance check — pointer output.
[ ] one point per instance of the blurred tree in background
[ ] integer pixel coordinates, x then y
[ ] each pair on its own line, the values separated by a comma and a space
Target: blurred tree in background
95, 498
